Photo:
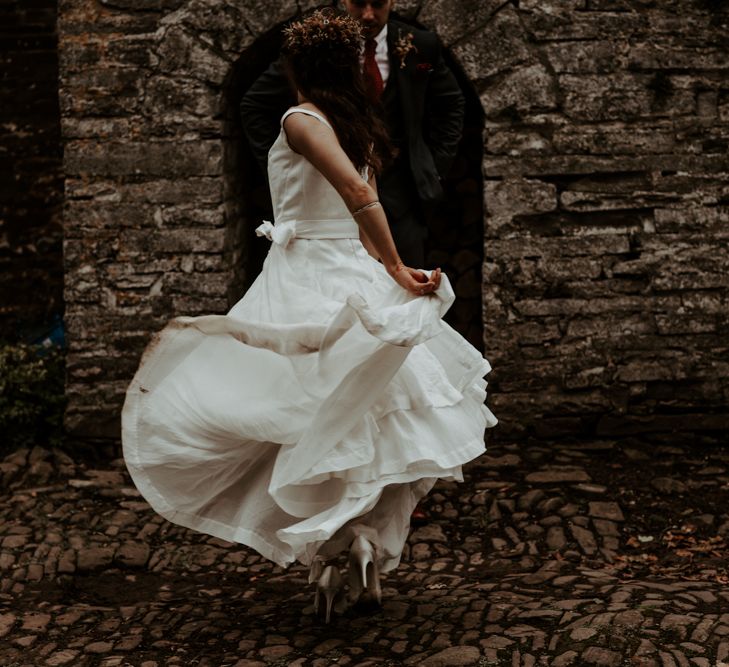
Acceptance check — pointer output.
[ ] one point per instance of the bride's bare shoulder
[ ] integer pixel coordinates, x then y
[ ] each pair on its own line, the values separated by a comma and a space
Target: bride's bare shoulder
307, 113
305, 124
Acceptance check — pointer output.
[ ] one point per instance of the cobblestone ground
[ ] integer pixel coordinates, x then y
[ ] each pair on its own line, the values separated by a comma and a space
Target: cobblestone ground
601, 554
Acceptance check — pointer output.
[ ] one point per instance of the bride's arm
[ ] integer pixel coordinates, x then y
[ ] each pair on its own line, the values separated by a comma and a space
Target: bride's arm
318, 144
362, 234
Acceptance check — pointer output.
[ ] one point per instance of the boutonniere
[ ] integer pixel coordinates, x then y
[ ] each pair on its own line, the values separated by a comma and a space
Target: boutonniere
403, 46
424, 67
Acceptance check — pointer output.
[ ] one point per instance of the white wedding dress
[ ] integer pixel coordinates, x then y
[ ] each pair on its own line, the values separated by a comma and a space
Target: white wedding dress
325, 404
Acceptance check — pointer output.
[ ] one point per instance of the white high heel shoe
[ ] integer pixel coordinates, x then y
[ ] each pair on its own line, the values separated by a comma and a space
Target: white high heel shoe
316, 569
330, 585
364, 573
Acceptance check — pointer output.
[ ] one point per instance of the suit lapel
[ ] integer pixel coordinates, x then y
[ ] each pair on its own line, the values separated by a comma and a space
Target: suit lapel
403, 75
393, 76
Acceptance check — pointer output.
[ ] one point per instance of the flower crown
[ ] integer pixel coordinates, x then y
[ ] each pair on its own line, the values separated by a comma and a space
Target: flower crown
323, 29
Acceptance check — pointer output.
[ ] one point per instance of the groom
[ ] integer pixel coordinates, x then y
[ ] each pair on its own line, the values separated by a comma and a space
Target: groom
422, 109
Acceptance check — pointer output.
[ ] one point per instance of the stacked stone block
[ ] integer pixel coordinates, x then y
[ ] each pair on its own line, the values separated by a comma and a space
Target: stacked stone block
605, 301
153, 225
606, 187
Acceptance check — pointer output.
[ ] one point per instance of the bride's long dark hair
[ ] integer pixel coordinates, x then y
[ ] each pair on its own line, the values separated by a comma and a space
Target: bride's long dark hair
322, 60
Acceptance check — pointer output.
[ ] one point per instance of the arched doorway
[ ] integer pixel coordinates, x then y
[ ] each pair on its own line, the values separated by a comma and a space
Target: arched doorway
456, 224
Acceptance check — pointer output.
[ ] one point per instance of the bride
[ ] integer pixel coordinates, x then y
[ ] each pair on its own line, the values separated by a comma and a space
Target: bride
310, 420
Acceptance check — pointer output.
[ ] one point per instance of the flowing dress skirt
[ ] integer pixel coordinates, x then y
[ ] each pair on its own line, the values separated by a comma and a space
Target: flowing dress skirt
325, 404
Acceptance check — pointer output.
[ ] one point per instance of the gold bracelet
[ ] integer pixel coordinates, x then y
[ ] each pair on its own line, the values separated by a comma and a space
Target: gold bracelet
366, 206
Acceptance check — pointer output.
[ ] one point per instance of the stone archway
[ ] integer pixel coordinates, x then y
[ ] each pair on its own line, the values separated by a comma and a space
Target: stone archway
456, 224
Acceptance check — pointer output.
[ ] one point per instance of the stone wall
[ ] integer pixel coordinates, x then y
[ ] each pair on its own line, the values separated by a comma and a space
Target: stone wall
31, 181
606, 197
154, 219
606, 238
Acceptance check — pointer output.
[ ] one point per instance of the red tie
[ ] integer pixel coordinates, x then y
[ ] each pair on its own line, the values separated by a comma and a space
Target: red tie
372, 75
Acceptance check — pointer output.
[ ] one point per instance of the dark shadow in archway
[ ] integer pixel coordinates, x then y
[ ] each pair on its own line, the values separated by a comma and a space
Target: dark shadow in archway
247, 197
31, 177
456, 224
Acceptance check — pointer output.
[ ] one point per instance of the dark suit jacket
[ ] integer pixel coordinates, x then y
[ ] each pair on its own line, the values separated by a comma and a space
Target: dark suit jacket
430, 102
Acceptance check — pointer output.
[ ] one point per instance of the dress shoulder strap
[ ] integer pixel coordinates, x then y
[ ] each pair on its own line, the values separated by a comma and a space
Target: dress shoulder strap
308, 112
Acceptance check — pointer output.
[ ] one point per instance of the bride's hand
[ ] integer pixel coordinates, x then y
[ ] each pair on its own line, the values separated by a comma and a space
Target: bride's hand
416, 282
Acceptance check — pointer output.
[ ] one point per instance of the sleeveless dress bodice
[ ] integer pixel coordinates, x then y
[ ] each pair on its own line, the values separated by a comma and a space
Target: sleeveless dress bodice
305, 204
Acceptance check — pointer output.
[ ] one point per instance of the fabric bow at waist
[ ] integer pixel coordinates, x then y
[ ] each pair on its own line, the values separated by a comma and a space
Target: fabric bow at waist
282, 232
